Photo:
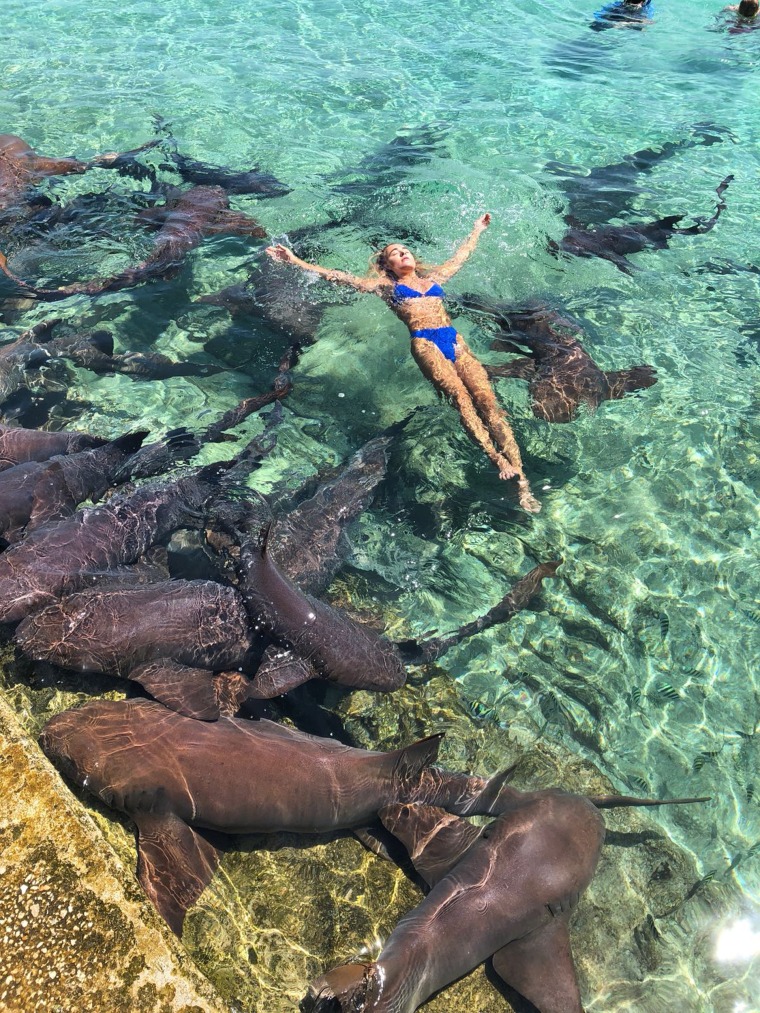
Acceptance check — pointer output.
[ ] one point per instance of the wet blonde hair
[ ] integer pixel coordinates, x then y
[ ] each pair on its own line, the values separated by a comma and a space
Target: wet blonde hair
379, 269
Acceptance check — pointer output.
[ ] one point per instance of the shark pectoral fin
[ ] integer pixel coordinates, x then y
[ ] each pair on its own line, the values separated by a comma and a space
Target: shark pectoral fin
189, 691
375, 840
540, 967
280, 671
232, 689
236, 224
503, 345
518, 369
623, 381
174, 865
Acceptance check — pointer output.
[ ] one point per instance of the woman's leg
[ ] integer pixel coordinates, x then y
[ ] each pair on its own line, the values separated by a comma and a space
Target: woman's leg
443, 376
474, 377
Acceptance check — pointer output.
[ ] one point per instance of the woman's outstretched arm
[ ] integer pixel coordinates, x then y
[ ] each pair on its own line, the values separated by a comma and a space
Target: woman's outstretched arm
287, 256
453, 264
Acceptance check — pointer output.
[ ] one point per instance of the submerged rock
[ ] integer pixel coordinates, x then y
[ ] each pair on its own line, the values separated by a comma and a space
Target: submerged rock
77, 931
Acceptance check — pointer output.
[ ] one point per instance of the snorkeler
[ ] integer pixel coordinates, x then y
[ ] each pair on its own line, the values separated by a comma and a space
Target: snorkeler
622, 14
415, 295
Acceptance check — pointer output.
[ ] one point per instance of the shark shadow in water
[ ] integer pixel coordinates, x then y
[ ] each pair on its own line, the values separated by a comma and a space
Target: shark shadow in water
596, 195
616, 242
248, 181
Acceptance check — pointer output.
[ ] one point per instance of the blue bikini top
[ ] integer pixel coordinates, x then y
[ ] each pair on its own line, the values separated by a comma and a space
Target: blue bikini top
402, 292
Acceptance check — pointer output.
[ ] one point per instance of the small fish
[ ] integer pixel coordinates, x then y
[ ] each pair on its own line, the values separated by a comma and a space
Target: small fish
735, 861
703, 757
480, 711
552, 709
639, 783
751, 795
753, 850
664, 624
700, 883
635, 696
667, 691
691, 672
753, 614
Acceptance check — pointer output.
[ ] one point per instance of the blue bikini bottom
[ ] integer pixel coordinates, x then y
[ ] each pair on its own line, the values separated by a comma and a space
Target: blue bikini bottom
444, 339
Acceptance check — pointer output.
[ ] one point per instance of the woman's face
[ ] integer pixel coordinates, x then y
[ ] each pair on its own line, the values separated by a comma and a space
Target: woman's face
398, 259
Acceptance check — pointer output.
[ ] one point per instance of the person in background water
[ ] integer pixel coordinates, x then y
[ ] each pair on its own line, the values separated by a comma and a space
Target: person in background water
413, 291
747, 11
623, 14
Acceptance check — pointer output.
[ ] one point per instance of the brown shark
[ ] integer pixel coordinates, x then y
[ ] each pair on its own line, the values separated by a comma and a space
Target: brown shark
32, 494
19, 445
561, 374
37, 570
339, 649
183, 222
21, 169
616, 242
506, 891
196, 622
178, 779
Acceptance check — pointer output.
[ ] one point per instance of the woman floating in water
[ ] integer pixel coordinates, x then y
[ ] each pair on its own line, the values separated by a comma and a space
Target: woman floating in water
415, 295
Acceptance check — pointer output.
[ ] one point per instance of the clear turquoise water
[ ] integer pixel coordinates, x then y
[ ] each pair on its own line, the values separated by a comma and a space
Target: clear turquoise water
644, 658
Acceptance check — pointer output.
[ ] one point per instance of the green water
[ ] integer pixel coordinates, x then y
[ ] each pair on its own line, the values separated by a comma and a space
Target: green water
643, 656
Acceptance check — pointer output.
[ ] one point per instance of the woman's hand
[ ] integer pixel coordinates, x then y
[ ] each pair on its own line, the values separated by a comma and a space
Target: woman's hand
280, 252
483, 222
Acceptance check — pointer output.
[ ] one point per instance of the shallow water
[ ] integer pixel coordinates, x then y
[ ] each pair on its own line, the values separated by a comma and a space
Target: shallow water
643, 656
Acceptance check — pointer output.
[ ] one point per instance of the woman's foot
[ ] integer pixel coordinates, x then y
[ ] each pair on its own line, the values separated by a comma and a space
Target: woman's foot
527, 500
506, 470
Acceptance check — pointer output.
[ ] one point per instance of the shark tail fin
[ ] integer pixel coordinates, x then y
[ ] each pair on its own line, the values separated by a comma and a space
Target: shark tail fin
417, 652
706, 224
624, 801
